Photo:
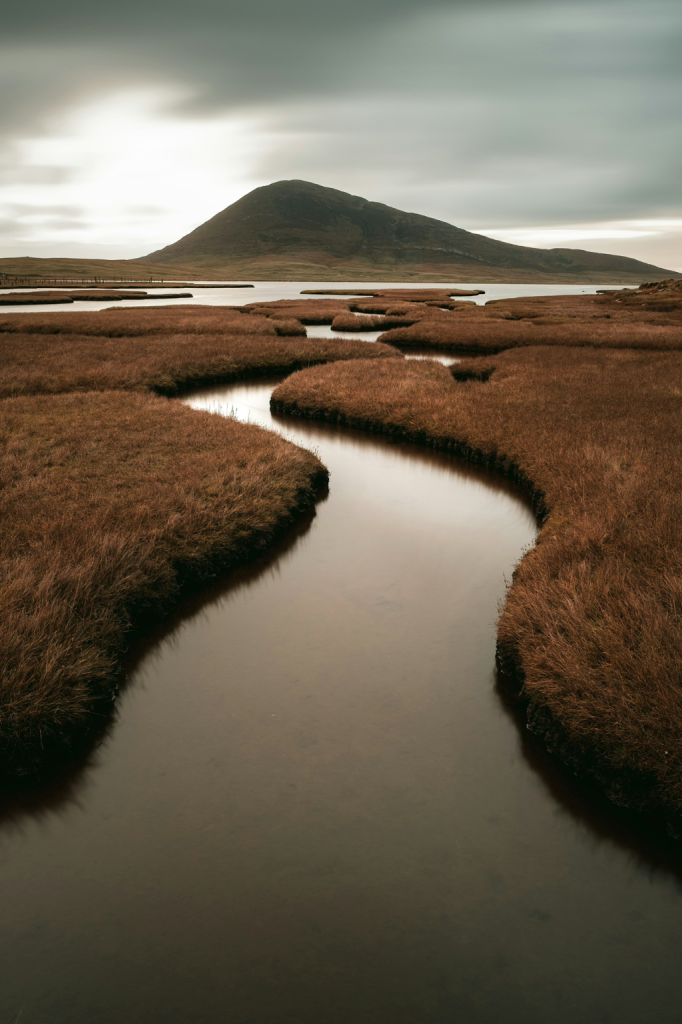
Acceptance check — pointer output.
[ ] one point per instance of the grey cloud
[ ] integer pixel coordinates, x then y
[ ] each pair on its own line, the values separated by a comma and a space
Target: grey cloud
54, 223
265, 50
20, 220
39, 80
522, 147
61, 210
12, 174
74, 19
8, 228
476, 111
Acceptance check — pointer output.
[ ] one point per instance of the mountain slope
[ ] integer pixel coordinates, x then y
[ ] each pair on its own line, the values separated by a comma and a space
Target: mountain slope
297, 229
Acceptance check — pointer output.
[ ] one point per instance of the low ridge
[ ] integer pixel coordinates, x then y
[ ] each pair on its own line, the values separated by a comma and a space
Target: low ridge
299, 230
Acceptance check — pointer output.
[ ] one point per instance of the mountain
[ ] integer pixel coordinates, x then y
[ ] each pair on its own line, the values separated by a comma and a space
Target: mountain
297, 230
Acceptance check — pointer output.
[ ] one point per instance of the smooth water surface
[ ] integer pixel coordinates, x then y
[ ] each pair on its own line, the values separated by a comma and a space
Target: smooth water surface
314, 807
325, 331
270, 291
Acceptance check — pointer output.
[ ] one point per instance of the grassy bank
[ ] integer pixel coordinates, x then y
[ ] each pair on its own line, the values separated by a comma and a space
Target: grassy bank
306, 311
392, 302
633, 319
44, 363
112, 498
38, 298
592, 625
110, 504
488, 336
648, 318
368, 322
120, 322
47, 298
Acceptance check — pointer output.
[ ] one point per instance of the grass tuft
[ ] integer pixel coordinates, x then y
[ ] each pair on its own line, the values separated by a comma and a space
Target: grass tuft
110, 503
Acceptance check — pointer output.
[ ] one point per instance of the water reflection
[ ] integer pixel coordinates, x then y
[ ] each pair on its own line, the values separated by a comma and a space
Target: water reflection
314, 805
325, 331
642, 836
272, 291
59, 784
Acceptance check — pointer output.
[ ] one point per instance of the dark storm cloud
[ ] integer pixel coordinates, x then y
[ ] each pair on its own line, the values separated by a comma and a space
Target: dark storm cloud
269, 50
75, 17
250, 52
478, 111
553, 112
229, 52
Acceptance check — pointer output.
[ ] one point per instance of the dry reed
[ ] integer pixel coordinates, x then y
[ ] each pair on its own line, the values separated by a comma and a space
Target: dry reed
111, 502
51, 298
34, 298
353, 322
488, 336
307, 311
43, 363
122, 322
629, 319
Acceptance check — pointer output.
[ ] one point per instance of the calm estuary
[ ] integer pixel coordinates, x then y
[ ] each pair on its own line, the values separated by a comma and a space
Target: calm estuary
314, 805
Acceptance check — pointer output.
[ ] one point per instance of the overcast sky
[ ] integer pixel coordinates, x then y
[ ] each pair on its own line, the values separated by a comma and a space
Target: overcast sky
548, 122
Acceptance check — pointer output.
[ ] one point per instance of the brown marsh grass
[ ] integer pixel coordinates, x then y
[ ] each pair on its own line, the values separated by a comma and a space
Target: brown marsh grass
123, 322
39, 298
117, 295
110, 503
387, 292
431, 318
44, 363
307, 311
626, 319
110, 500
490, 335
324, 310
629, 306
592, 624
590, 621
33, 298
353, 322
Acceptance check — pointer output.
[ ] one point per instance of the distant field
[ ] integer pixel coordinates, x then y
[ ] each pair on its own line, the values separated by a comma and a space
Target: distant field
108, 270
315, 268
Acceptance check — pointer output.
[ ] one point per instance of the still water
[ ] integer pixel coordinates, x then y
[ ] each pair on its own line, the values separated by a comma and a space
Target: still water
314, 807
270, 291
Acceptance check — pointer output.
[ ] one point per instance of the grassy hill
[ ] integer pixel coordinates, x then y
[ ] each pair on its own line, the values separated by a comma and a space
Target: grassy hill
74, 269
299, 230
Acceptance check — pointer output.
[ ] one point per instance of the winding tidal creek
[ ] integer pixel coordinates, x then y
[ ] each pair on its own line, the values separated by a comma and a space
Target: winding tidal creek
315, 807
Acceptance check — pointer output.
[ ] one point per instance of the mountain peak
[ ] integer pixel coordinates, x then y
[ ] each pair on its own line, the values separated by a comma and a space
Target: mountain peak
297, 229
